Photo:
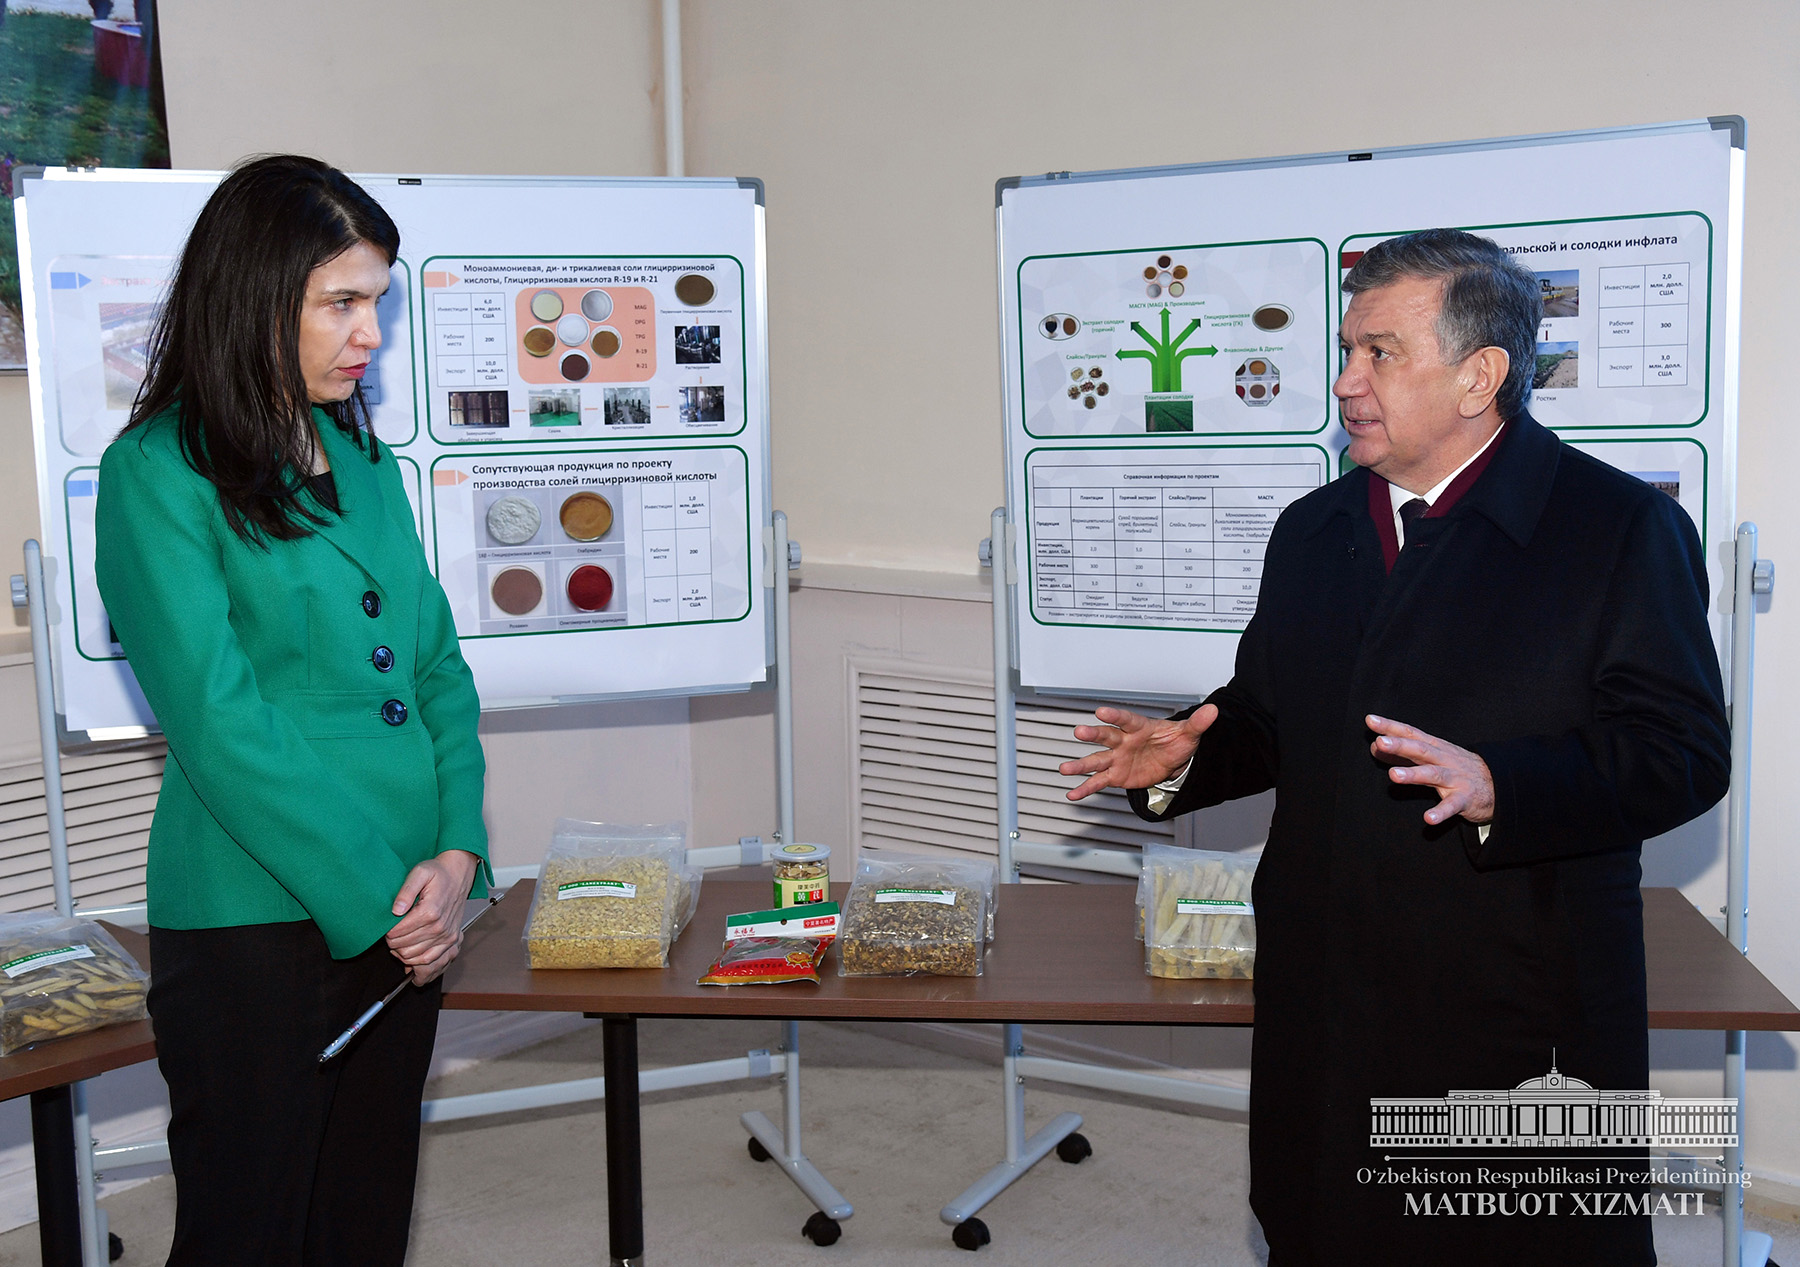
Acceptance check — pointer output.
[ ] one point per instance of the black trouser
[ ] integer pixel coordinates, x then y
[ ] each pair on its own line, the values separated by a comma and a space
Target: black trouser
279, 1161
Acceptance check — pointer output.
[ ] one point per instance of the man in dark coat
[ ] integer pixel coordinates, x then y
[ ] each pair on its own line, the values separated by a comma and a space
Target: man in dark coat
1478, 678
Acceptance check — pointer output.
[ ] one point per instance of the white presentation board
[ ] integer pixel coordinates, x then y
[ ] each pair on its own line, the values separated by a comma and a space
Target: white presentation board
572, 376
1169, 340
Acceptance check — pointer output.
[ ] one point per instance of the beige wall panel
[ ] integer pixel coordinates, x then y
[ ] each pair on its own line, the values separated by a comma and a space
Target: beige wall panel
733, 744
881, 129
553, 87
612, 763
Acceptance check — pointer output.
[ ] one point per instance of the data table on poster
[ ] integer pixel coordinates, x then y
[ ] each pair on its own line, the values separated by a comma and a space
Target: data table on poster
1169, 538
1644, 326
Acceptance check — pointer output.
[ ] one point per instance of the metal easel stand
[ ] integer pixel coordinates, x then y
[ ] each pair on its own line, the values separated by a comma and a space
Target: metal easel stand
29, 591
1022, 1152
766, 1142
1751, 577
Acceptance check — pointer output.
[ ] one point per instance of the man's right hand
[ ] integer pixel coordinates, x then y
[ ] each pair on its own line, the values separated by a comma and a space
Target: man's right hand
1135, 751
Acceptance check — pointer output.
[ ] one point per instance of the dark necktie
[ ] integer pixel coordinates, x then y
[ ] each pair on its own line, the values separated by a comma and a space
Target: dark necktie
1410, 511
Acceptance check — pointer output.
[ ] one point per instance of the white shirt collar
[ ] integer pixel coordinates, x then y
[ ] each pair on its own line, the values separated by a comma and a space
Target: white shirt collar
1398, 497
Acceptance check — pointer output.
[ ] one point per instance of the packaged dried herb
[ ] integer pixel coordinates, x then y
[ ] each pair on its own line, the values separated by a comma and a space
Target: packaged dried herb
611, 897
62, 976
767, 961
1197, 914
917, 916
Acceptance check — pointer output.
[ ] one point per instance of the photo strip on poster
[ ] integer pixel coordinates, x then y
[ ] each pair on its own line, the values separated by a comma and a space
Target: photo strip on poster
553, 350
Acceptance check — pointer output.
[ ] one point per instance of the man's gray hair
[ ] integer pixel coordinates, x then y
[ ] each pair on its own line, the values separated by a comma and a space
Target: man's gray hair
1490, 300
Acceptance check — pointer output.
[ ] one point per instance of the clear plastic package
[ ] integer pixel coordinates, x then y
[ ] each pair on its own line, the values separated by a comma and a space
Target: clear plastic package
1196, 913
62, 976
611, 896
908, 916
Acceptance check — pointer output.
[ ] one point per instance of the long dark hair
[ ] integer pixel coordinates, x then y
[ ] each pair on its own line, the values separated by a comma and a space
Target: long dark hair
225, 353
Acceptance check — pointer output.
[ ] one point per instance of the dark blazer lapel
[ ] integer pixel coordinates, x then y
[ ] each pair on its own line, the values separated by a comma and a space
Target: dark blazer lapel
1344, 512
360, 530
1514, 489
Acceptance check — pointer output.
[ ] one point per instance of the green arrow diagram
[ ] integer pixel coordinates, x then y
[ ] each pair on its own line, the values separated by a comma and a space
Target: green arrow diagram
1165, 354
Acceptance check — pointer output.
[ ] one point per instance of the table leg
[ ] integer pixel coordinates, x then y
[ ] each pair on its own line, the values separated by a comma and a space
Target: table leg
53, 1150
624, 1154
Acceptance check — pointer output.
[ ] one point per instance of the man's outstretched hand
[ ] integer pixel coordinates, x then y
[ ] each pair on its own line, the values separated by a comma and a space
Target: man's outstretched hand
1135, 751
1460, 778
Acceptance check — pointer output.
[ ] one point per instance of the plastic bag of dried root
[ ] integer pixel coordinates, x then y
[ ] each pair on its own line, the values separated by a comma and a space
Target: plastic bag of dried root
61, 976
610, 896
1198, 918
917, 917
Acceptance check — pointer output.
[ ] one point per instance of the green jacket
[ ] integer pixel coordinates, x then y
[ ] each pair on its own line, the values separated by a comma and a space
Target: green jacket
303, 782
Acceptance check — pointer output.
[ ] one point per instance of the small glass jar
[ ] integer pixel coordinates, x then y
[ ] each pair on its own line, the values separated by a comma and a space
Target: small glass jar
802, 874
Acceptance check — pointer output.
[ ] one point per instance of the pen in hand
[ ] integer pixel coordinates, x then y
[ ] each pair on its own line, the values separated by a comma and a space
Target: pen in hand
343, 1040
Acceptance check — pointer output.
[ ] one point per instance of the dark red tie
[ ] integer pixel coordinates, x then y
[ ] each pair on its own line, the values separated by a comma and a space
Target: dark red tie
1410, 511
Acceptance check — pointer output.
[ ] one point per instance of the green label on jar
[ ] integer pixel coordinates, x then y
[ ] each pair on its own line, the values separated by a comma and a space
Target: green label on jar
802, 892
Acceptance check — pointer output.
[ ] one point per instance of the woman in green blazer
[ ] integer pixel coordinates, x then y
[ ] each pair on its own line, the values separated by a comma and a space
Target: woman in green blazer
320, 819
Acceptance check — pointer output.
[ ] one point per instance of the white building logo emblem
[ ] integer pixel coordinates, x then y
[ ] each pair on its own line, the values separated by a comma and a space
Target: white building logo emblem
1553, 1111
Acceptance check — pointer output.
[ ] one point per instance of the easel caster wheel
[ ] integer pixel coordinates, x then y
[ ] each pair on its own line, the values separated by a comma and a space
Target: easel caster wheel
115, 1248
821, 1229
757, 1151
1074, 1148
970, 1234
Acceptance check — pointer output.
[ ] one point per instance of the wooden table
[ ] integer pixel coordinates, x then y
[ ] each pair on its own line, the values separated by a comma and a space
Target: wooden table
1061, 953
44, 1073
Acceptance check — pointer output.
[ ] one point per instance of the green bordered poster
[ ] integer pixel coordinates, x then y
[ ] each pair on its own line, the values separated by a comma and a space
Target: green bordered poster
1169, 338
572, 375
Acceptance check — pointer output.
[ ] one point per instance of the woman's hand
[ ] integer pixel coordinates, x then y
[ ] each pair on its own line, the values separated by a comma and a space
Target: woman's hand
431, 900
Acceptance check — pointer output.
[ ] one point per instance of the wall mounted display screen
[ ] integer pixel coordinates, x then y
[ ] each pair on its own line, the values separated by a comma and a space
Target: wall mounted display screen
1170, 335
572, 375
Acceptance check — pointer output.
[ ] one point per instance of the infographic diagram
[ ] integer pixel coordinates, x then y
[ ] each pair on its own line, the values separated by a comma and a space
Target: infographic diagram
583, 349
1226, 339
1166, 538
592, 538
1624, 340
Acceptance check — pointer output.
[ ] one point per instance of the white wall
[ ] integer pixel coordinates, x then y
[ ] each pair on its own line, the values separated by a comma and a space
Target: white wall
880, 129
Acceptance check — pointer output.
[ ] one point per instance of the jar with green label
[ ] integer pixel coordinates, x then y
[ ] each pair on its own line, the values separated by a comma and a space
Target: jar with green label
802, 874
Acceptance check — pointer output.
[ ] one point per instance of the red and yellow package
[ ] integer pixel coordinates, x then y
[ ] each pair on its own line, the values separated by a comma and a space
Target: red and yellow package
767, 961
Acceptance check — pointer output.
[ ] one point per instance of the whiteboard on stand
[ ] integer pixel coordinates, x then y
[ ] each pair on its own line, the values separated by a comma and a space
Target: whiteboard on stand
573, 379
1169, 338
